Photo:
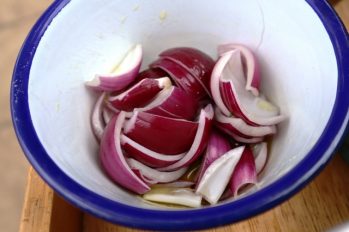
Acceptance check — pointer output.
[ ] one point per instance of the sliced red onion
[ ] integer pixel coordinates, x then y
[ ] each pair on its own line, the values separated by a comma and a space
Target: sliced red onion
242, 103
147, 156
176, 184
238, 137
97, 122
155, 175
140, 94
200, 140
240, 127
113, 160
158, 133
260, 153
244, 173
108, 114
177, 196
215, 83
174, 103
196, 62
151, 73
218, 174
181, 77
250, 65
123, 75
217, 146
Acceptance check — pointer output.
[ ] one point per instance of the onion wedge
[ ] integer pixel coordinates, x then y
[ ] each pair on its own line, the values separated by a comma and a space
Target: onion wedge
97, 122
172, 102
200, 140
260, 153
250, 64
177, 196
158, 133
218, 174
254, 110
181, 77
196, 62
240, 127
217, 146
151, 73
153, 174
147, 156
123, 75
238, 137
244, 173
113, 160
140, 94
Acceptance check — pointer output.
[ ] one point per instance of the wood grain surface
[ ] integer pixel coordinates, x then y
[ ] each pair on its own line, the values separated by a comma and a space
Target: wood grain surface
323, 204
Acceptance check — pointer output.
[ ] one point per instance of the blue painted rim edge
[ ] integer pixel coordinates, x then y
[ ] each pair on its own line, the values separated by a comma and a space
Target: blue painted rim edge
173, 220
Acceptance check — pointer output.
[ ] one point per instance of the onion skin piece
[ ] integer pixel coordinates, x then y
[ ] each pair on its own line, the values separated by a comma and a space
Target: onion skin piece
154, 175
173, 103
146, 156
218, 175
182, 78
140, 94
240, 127
151, 73
123, 75
196, 62
260, 153
244, 173
178, 196
200, 141
97, 122
217, 146
113, 160
158, 133
250, 63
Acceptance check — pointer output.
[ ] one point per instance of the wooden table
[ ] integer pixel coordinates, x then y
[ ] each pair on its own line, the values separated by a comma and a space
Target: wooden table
323, 204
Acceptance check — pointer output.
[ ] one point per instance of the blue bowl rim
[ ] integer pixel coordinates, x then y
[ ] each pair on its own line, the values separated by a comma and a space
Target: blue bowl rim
194, 219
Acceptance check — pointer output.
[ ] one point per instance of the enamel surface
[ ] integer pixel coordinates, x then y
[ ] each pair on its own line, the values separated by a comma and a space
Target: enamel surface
297, 61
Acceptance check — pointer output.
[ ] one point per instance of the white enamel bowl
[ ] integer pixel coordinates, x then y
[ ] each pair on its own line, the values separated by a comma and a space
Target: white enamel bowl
302, 47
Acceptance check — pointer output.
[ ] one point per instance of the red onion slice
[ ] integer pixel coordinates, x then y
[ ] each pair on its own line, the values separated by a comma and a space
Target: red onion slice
140, 94
174, 103
218, 174
243, 104
177, 196
250, 64
123, 75
215, 83
147, 156
97, 122
181, 77
155, 175
200, 140
244, 173
113, 160
196, 62
176, 184
260, 153
238, 137
158, 133
108, 114
240, 127
151, 73
217, 146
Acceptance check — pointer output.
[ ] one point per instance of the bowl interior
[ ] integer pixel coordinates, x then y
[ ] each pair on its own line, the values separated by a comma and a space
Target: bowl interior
87, 37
